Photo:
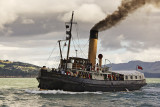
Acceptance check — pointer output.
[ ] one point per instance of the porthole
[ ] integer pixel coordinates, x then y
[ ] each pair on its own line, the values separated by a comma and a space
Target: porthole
140, 77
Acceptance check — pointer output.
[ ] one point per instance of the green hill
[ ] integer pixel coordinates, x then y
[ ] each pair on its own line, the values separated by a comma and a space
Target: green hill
17, 69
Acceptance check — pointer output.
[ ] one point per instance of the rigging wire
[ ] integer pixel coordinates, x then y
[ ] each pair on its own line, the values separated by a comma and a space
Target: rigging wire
56, 59
63, 47
80, 49
74, 44
50, 54
86, 44
78, 41
78, 44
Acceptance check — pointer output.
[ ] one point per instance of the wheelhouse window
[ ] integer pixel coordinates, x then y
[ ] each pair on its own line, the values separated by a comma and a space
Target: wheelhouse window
135, 77
140, 77
72, 60
126, 77
105, 76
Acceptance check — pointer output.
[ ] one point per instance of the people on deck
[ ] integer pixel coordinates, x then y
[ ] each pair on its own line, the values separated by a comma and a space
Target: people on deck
43, 69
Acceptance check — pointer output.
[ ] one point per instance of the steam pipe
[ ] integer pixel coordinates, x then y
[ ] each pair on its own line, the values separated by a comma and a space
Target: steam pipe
100, 56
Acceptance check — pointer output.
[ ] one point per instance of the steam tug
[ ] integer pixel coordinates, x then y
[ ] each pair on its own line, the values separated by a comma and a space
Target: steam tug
79, 74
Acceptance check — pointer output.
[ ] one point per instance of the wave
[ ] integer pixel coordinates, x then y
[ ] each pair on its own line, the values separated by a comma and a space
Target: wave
152, 89
58, 92
153, 80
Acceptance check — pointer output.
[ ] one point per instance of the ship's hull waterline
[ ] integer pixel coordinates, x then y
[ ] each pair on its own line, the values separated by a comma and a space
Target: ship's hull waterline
53, 81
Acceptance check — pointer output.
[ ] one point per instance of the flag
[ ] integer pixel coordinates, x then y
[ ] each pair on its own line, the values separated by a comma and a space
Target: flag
139, 67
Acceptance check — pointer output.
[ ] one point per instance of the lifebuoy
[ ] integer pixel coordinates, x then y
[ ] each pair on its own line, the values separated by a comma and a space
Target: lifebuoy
68, 73
97, 69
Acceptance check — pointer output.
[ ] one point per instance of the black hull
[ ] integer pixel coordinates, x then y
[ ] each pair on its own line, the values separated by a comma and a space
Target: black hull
52, 81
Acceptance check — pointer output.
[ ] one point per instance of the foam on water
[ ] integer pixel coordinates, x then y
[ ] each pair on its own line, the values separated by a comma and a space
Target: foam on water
58, 92
24, 92
153, 80
152, 89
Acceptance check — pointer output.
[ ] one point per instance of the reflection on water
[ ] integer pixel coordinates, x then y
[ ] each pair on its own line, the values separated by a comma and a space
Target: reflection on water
19, 92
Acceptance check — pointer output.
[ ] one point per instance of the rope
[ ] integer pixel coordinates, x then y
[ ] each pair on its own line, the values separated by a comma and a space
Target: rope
56, 59
78, 41
74, 44
80, 49
63, 47
50, 54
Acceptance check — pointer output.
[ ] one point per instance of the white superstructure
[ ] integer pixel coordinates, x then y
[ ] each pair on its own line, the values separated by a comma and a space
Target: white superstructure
131, 75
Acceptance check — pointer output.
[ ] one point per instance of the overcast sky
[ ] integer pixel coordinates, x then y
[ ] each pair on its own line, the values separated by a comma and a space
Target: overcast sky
30, 29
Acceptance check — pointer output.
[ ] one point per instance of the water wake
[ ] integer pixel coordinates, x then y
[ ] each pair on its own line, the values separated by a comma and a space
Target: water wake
58, 92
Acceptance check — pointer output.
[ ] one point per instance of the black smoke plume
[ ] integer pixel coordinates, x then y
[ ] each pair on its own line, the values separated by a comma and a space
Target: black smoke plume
126, 7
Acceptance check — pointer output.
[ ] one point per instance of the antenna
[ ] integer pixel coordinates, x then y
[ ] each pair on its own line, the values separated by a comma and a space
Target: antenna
76, 52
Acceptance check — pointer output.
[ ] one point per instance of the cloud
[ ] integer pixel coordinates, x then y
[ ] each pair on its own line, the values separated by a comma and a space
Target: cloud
29, 29
7, 14
4, 48
10, 10
43, 40
108, 6
122, 56
27, 21
87, 13
139, 30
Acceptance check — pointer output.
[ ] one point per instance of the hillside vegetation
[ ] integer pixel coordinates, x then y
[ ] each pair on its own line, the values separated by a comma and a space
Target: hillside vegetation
20, 69
17, 69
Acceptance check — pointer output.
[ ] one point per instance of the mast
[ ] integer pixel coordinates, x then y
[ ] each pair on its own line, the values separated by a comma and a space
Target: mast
70, 36
60, 49
60, 53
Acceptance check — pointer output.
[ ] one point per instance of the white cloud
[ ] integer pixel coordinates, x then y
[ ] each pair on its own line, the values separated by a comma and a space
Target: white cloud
149, 55
6, 48
11, 9
27, 21
87, 13
140, 31
7, 12
29, 28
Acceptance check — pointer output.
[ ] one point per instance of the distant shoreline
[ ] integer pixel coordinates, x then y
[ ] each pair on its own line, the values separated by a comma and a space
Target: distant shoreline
35, 77
15, 77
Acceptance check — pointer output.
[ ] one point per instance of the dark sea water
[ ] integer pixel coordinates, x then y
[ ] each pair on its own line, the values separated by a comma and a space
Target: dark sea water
23, 92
